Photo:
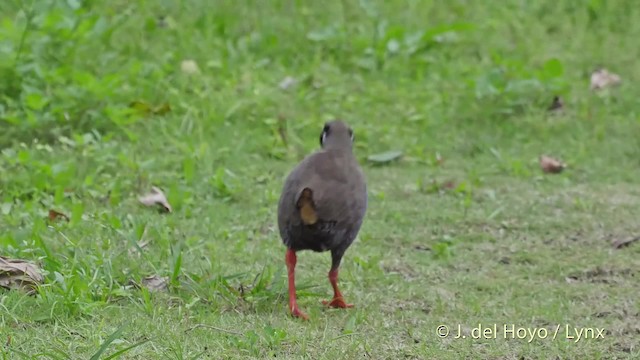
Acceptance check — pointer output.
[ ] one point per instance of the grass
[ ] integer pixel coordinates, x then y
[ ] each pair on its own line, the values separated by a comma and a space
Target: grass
95, 108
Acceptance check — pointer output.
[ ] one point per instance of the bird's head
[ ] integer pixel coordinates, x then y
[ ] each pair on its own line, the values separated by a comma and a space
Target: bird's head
336, 134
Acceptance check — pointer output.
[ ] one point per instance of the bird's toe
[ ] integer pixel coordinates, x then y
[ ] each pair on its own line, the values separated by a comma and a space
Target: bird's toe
299, 314
337, 303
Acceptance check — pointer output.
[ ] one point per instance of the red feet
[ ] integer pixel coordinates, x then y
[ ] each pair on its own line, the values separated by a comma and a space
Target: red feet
337, 302
295, 312
290, 260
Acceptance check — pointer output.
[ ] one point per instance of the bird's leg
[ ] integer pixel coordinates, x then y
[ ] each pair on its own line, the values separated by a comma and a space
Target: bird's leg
338, 300
290, 260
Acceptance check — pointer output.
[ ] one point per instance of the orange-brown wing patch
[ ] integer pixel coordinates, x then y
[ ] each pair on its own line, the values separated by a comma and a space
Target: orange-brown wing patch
307, 207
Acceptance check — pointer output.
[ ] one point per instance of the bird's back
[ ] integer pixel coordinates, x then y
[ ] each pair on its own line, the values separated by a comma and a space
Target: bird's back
339, 198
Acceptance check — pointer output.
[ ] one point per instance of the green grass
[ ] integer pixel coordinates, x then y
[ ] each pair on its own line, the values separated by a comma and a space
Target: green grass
466, 81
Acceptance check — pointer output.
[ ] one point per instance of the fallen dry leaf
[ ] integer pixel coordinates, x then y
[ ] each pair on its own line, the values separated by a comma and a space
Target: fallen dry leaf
422, 247
18, 274
189, 67
620, 243
449, 184
601, 78
434, 186
556, 105
54, 215
156, 197
287, 83
147, 109
571, 279
155, 283
550, 165
385, 157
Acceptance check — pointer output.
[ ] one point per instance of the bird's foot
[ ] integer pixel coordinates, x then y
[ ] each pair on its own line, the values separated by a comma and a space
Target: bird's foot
295, 312
337, 302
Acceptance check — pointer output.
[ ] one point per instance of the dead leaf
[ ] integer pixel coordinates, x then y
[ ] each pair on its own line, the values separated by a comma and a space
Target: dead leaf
156, 197
620, 243
147, 109
550, 165
53, 215
571, 279
601, 78
155, 283
18, 274
5, 208
189, 67
385, 157
288, 83
449, 184
434, 186
556, 105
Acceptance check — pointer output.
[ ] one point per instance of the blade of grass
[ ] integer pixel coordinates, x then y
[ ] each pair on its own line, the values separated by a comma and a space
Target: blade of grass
118, 353
107, 342
177, 265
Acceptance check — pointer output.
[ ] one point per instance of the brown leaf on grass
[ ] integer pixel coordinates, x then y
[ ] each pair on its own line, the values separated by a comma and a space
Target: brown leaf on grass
54, 215
620, 243
156, 197
155, 283
449, 184
571, 279
556, 105
434, 186
601, 78
18, 274
550, 165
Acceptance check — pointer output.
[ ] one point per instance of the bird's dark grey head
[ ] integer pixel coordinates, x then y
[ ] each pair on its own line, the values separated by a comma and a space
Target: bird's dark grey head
336, 134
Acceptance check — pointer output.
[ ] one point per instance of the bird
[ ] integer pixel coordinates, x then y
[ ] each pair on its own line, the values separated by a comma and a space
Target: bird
322, 207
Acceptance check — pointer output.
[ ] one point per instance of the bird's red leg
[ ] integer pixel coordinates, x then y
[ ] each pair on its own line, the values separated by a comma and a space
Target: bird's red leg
290, 260
338, 300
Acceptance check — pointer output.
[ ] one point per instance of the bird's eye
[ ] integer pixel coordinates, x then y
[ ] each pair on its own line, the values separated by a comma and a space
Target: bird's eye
323, 135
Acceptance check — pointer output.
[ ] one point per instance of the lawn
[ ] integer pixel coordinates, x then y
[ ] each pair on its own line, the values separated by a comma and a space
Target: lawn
214, 102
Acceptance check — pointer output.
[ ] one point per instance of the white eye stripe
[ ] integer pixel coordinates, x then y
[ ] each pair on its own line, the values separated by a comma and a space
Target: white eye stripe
324, 136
